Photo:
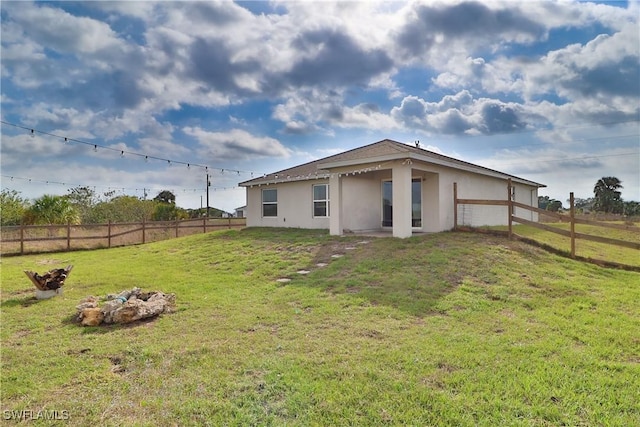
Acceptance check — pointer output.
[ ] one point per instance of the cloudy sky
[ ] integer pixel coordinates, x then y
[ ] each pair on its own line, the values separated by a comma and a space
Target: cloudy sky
147, 92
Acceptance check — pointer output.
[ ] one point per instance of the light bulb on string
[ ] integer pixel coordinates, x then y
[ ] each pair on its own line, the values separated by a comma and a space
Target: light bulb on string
146, 159
122, 153
33, 133
95, 148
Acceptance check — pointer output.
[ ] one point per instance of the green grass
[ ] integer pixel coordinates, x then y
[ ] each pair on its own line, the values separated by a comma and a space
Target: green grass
586, 248
446, 329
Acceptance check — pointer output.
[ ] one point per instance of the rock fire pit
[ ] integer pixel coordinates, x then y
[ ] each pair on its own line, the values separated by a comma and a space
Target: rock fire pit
125, 307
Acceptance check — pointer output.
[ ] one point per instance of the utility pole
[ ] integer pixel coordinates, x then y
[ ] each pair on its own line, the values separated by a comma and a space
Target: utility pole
208, 185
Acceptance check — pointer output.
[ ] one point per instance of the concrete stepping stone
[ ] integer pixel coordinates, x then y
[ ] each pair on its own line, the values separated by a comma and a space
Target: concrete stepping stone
303, 272
321, 264
337, 256
283, 280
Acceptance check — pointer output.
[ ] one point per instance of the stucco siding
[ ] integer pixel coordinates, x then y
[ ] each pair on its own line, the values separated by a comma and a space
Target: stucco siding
295, 206
472, 186
362, 199
362, 203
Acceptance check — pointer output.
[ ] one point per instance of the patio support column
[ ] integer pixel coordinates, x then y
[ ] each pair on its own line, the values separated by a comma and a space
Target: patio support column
401, 182
335, 205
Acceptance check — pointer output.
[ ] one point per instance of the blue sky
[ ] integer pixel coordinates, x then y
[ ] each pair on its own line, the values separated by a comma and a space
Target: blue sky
548, 91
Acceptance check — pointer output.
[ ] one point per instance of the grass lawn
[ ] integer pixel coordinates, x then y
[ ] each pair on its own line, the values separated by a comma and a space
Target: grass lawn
586, 248
455, 329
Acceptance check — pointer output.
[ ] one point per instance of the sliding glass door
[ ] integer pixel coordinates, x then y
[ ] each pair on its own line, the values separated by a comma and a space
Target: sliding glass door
416, 203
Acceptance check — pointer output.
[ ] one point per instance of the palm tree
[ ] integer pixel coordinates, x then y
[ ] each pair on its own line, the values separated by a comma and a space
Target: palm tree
607, 197
50, 209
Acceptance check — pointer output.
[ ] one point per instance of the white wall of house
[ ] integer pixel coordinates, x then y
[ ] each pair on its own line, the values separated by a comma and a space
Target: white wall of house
474, 186
362, 199
295, 206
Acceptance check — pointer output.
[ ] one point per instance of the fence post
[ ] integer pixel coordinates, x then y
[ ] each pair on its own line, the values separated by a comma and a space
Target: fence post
21, 238
68, 235
455, 206
510, 208
144, 230
109, 234
204, 225
229, 223
572, 215
177, 222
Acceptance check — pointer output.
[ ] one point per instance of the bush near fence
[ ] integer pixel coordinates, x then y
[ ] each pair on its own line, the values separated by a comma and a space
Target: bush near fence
17, 240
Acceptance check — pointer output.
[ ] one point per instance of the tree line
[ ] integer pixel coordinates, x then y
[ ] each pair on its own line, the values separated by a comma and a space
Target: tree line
82, 205
607, 198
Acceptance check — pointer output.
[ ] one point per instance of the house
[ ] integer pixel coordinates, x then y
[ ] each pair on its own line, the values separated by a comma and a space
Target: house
240, 212
386, 185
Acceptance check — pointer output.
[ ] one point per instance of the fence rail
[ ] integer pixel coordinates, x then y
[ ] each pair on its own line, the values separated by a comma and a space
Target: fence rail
571, 219
54, 238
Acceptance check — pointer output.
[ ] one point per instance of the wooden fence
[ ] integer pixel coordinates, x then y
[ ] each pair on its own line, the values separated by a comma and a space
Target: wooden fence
571, 219
57, 238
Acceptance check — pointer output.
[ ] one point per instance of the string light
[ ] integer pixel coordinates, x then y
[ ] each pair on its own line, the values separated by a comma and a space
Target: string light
111, 187
66, 139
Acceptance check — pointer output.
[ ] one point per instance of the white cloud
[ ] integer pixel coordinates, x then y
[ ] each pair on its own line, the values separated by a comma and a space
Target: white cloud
235, 144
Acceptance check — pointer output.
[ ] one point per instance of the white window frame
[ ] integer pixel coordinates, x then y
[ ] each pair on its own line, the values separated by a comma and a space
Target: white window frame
326, 201
269, 203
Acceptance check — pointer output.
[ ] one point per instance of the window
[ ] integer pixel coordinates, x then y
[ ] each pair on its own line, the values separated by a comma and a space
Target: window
321, 200
270, 202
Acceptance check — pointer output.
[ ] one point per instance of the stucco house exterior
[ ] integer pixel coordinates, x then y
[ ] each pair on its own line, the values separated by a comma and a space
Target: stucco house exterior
386, 185
240, 212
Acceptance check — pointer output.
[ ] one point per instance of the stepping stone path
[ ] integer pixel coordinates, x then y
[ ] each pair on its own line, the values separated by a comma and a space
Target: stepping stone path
323, 264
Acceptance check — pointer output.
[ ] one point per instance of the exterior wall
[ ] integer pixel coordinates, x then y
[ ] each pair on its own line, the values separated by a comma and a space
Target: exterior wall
528, 196
472, 186
362, 200
431, 202
295, 206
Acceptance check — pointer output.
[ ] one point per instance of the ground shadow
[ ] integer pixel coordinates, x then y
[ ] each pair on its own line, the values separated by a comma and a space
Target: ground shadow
107, 328
24, 302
